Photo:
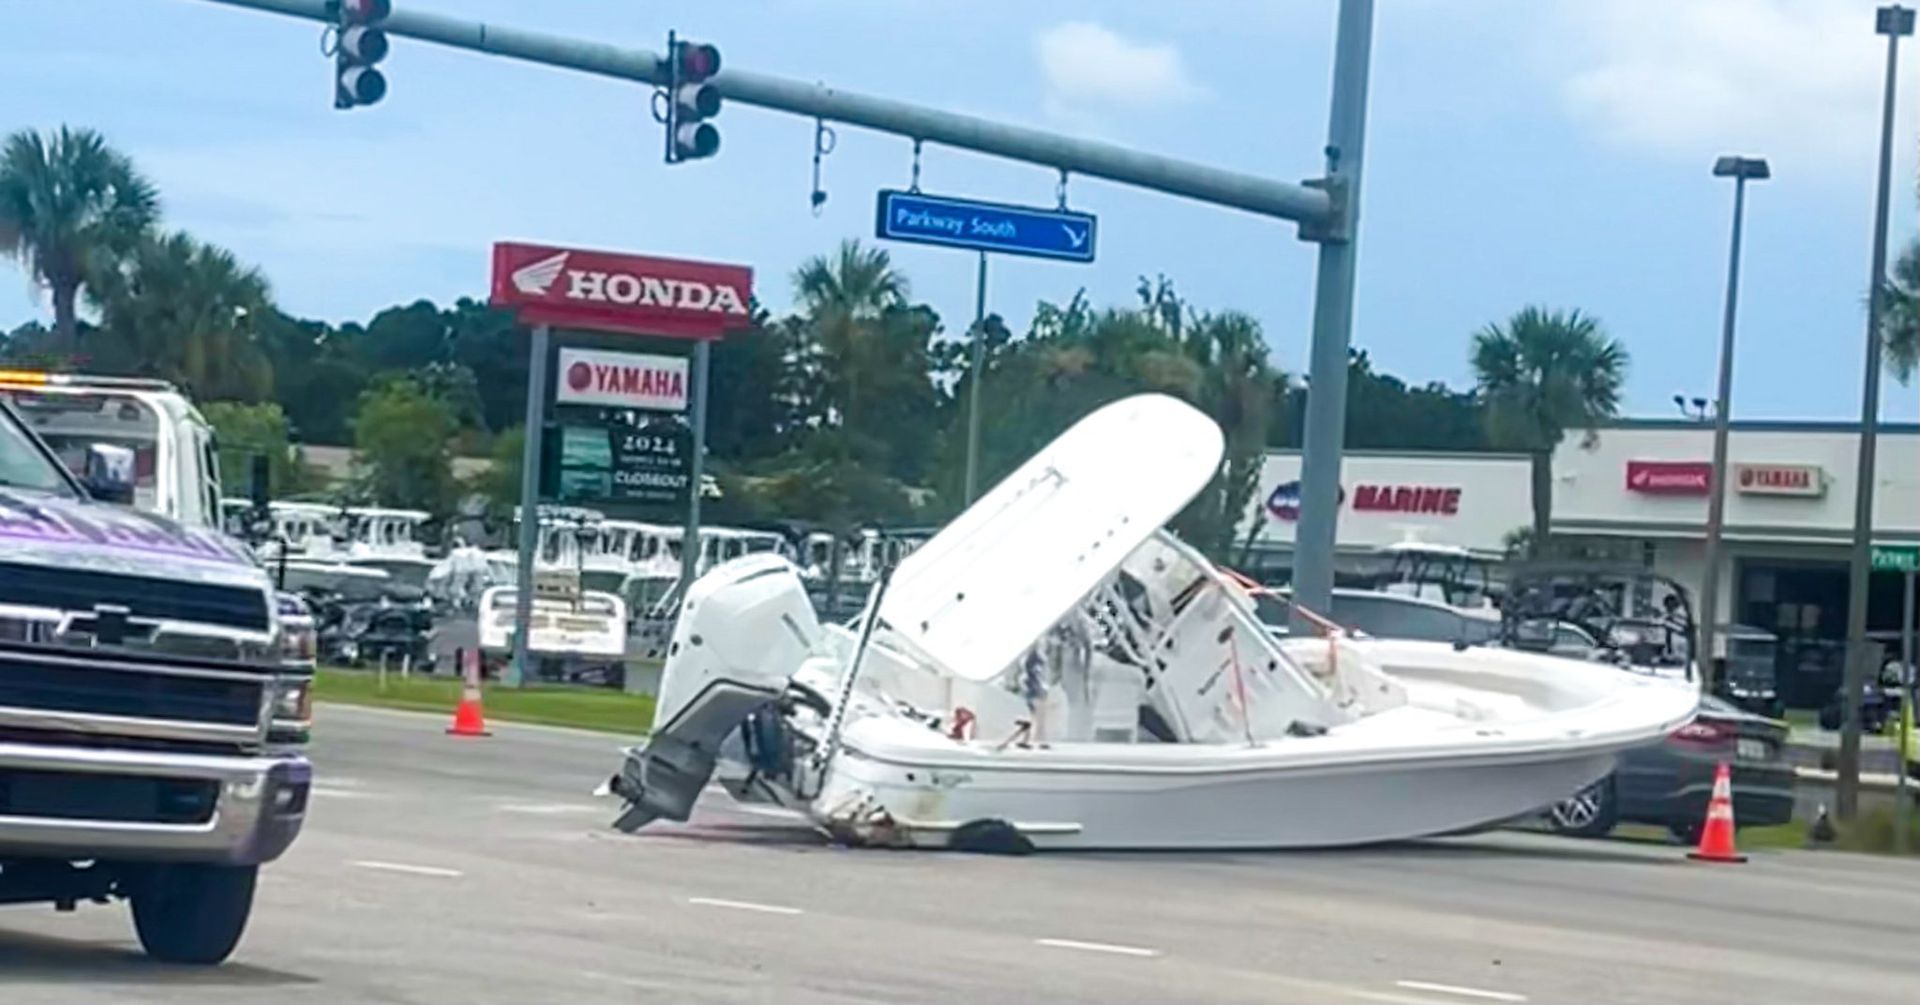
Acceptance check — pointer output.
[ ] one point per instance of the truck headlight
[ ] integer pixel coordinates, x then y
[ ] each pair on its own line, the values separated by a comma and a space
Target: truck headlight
292, 712
299, 643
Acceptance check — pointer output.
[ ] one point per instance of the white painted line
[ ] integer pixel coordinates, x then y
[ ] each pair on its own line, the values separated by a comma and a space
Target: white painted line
411, 870
550, 809
1389, 998
769, 811
323, 792
1463, 992
1098, 947
743, 905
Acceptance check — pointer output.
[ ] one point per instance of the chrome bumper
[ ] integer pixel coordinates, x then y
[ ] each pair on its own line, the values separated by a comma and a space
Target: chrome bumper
260, 805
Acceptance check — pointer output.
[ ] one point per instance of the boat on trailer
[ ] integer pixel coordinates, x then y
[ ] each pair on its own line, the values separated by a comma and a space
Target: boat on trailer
1054, 670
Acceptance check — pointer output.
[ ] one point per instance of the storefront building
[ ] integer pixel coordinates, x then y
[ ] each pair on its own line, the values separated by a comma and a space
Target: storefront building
1639, 492
1636, 493
1473, 501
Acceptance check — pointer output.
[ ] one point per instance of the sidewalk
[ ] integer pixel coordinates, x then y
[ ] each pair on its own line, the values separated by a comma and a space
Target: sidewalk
1820, 748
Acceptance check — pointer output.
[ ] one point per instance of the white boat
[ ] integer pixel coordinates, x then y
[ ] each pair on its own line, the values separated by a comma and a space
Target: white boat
1054, 670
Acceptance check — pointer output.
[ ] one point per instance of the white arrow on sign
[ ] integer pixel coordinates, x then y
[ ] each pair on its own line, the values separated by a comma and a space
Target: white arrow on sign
1078, 237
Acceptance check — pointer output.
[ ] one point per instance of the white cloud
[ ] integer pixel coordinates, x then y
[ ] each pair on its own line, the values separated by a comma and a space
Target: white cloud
1090, 69
1796, 80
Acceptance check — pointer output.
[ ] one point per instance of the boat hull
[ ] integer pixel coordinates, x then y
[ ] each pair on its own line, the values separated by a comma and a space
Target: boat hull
883, 802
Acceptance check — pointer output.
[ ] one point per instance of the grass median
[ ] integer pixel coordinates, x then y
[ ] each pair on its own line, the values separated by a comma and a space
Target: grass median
596, 708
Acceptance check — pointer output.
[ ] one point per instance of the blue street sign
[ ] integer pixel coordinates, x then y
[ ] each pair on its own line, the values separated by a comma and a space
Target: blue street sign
985, 226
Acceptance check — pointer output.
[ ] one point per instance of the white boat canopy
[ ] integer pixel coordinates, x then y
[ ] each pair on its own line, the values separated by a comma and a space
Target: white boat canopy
974, 597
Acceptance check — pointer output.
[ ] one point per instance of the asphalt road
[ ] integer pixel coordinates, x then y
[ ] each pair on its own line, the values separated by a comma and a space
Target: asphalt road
443, 870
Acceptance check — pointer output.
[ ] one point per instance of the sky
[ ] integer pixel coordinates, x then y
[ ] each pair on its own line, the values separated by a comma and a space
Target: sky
1519, 152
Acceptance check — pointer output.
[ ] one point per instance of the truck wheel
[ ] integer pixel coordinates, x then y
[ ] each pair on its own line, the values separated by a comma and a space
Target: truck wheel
193, 913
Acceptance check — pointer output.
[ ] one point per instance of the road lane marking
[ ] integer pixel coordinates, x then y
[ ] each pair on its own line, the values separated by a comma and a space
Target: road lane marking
768, 811
1097, 947
411, 870
550, 809
1463, 992
743, 905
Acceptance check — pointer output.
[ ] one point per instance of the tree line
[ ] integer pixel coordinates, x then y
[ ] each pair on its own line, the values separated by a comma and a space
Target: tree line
849, 408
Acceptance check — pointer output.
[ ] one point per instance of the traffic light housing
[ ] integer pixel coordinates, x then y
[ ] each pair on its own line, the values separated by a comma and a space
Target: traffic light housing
691, 100
359, 43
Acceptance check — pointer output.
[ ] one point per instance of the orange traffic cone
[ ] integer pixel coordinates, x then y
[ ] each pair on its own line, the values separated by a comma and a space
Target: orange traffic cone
1716, 838
467, 717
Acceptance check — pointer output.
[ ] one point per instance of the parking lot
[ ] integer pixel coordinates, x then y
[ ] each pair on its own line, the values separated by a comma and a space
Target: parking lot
443, 870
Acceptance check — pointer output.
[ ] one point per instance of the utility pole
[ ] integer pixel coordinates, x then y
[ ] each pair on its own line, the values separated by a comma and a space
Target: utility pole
976, 373
1325, 434
1893, 22
1740, 169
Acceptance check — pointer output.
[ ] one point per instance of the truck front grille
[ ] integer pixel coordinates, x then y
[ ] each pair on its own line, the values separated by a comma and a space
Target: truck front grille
40, 685
236, 607
61, 795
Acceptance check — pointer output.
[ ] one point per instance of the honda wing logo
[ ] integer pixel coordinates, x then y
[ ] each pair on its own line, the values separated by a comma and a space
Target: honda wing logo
537, 278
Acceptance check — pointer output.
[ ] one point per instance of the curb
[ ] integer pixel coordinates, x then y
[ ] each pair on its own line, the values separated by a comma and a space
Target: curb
493, 721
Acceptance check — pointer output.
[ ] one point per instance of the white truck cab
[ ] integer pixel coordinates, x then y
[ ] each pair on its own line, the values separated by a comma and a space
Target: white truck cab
176, 470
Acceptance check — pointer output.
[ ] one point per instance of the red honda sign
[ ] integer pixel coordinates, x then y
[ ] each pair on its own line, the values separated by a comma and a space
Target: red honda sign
631, 294
1669, 478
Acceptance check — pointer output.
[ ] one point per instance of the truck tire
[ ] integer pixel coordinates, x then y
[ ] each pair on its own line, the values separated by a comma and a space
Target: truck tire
193, 913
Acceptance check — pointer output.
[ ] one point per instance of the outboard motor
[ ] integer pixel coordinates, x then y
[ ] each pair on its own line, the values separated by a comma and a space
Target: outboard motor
743, 630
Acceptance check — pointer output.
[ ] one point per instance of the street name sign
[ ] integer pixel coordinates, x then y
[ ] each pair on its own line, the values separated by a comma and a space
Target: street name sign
1896, 557
1058, 234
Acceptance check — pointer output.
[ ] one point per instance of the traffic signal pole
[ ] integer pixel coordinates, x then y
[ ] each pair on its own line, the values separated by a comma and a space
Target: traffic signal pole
1252, 193
1324, 438
1326, 209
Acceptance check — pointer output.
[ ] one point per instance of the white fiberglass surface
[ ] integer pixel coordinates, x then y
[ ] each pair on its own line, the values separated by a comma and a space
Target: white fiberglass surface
992, 581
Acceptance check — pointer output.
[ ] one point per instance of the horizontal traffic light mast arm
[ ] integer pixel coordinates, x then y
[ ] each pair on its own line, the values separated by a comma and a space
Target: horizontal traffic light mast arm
1285, 200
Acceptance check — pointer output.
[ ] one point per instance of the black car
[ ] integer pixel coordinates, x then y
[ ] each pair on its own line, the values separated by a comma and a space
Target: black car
1668, 784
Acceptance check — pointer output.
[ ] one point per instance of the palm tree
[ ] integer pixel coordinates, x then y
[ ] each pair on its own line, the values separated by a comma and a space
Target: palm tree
847, 297
188, 312
1542, 374
1901, 321
68, 205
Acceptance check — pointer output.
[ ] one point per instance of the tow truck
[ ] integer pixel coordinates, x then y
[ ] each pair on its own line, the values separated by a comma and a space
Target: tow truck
176, 469
155, 690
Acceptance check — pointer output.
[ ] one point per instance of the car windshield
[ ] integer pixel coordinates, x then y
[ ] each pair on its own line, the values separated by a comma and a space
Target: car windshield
23, 464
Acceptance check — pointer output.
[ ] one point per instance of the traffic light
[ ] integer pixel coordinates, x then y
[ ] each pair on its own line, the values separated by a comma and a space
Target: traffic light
691, 100
359, 43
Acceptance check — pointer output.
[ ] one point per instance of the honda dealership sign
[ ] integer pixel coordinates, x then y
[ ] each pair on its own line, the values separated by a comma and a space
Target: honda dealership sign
621, 380
1669, 478
607, 291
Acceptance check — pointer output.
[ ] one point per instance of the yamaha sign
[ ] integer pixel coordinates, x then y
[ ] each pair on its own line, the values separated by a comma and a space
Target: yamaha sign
621, 380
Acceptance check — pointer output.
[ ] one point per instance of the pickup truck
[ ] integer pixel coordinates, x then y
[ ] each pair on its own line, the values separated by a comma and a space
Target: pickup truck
155, 702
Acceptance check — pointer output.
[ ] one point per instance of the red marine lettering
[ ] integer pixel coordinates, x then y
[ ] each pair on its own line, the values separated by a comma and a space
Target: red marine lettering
1407, 499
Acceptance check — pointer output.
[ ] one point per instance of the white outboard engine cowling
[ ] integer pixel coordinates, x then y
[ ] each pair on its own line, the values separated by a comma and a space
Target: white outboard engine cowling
748, 621
743, 630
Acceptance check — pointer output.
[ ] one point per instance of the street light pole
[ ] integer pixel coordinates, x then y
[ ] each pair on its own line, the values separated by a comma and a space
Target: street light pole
1894, 22
1741, 170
